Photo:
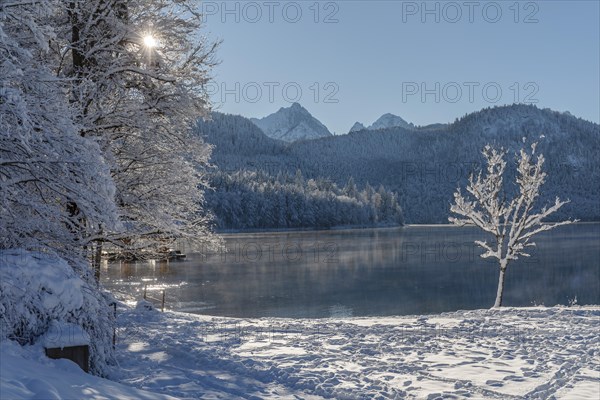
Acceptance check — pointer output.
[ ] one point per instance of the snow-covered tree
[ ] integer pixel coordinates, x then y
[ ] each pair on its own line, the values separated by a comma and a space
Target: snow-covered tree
514, 223
350, 188
97, 99
45, 165
137, 70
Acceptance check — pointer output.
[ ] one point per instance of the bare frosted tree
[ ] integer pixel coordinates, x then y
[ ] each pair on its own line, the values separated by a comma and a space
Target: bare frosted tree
512, 223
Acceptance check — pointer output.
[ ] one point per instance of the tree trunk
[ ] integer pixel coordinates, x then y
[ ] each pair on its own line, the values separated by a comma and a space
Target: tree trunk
500, 292
98, 261
78, 58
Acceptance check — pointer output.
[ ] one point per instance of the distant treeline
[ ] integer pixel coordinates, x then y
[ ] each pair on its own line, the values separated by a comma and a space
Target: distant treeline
256, 200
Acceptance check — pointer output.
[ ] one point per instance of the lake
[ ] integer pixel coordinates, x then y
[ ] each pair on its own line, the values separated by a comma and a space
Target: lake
370, 272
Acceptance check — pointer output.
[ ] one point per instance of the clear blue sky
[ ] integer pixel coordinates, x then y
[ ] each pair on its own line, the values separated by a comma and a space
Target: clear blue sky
375, 57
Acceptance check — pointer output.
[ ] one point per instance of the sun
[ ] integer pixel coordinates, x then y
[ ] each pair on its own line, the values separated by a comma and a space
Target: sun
149, 41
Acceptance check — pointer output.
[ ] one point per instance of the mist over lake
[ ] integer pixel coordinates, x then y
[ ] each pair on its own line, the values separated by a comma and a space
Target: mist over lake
372, 272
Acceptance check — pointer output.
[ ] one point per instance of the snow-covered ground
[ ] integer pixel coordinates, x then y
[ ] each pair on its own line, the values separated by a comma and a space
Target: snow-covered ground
25, 373
508, 353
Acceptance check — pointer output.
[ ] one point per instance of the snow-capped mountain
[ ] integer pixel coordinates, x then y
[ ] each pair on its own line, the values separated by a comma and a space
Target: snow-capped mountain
390, 121
295, 123
385, 121
357, 127
291, 124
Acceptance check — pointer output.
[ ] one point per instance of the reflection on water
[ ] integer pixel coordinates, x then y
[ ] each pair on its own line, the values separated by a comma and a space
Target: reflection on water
398, 271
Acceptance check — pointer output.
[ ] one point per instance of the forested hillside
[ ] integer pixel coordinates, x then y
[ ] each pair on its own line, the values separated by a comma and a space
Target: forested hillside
424, 166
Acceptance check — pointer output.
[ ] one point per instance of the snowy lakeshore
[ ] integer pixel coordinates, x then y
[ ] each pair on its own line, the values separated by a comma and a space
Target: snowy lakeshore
507, 353
184, 213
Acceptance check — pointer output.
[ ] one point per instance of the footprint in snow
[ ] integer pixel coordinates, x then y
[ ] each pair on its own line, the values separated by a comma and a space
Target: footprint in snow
514, 378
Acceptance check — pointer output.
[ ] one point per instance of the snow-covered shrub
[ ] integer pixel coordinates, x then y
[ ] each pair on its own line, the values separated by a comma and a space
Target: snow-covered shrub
39, 288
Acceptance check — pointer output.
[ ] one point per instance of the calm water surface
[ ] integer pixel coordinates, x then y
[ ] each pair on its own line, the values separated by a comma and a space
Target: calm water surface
374, 272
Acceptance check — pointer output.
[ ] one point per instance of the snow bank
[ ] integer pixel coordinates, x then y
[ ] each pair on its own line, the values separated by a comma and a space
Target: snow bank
144, 305
35, 289
25, 373
40, 294
63, 334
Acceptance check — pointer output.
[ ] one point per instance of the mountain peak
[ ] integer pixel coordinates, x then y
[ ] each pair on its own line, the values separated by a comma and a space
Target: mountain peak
294, 107
357, 127
291, 124
387, 120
